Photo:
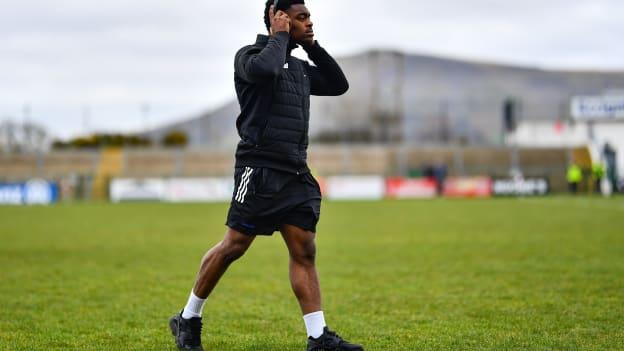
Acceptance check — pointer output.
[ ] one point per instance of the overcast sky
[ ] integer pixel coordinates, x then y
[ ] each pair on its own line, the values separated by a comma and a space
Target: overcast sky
130, 64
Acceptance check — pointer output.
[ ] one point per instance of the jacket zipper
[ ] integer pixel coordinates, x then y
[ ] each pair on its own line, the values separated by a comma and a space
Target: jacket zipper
306, 111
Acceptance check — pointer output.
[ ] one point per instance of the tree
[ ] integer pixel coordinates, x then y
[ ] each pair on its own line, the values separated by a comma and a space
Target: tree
24, 137
175, 139
97, 141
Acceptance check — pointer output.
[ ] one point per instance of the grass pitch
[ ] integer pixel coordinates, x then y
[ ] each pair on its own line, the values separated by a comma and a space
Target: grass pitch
510, 274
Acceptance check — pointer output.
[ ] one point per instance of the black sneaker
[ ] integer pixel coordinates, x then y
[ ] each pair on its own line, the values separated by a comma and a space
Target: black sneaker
187, 332
331, 341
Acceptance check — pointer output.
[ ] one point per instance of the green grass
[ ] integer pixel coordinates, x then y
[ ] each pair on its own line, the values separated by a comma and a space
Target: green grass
510, 274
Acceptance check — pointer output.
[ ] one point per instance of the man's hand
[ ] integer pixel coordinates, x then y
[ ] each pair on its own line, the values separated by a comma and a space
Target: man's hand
280, 22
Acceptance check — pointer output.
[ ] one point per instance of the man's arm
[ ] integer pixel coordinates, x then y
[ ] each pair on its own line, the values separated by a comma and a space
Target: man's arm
253, 66
327, 78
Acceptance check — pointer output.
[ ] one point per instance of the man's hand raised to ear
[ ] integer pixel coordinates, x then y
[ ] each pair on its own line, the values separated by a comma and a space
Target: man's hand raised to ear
280, 22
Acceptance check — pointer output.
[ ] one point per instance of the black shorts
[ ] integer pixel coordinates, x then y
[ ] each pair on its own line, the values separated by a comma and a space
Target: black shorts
264, 199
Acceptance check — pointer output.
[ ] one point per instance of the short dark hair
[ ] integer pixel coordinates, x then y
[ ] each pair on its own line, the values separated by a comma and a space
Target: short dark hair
282, 5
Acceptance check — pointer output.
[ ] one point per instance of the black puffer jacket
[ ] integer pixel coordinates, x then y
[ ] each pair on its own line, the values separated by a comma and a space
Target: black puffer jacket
273, 90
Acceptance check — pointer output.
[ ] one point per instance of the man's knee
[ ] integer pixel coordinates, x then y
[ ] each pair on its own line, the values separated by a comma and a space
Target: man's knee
305, 253
234, 247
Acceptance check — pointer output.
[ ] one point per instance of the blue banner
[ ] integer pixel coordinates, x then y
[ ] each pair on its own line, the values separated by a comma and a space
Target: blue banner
34, 192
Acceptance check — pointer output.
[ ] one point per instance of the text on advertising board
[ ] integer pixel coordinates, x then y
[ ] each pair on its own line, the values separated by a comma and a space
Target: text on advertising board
34, 192
598, 107
520, 187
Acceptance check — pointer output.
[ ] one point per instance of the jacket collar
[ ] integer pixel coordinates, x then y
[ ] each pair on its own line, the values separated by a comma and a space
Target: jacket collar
262, 40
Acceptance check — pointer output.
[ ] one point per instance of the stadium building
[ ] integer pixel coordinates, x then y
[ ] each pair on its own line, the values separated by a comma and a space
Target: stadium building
412, 99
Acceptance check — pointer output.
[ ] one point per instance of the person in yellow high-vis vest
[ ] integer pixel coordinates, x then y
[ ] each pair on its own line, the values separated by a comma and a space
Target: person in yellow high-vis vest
574, 177
598, 173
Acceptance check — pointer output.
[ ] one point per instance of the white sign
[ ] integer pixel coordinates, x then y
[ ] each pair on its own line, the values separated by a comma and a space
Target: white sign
200, 190
172, 190
137, 190
38, 192
520, 187
598, 107
356, 188
11, 194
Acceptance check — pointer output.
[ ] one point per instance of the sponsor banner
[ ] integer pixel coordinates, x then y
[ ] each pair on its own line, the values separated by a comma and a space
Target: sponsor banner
34, 192
200, 190
410, 188
520, 187
598, 107
172, 190
137, 190
355, 187
468, 187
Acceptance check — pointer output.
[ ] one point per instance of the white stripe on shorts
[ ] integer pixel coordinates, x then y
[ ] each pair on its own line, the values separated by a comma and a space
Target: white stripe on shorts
246, 188
242, 189
240, 185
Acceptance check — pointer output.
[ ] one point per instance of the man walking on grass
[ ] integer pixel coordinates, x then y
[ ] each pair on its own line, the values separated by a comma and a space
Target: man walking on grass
274, 190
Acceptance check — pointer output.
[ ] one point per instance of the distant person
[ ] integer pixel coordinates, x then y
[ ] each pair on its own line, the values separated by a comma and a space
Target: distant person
428, 171
274, 190
574, 177
598, 173
610, 156
440, 173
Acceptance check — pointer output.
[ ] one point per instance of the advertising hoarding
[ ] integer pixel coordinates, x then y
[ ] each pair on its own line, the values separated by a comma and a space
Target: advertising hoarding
172, 190
138, 190
520, 187
475, 187
33, 192
200, 190
593, 108
355, 187
410, 188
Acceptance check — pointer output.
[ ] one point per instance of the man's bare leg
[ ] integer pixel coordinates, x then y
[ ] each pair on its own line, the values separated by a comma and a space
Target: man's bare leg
218, 259
305, 283
186, 326
213, 265
303, 276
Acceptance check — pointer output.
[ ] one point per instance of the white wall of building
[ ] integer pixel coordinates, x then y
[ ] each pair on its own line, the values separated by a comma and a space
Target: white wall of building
551, 134
547, 134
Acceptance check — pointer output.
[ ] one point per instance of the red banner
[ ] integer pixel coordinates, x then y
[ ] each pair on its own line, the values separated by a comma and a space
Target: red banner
468, 187
410, 188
